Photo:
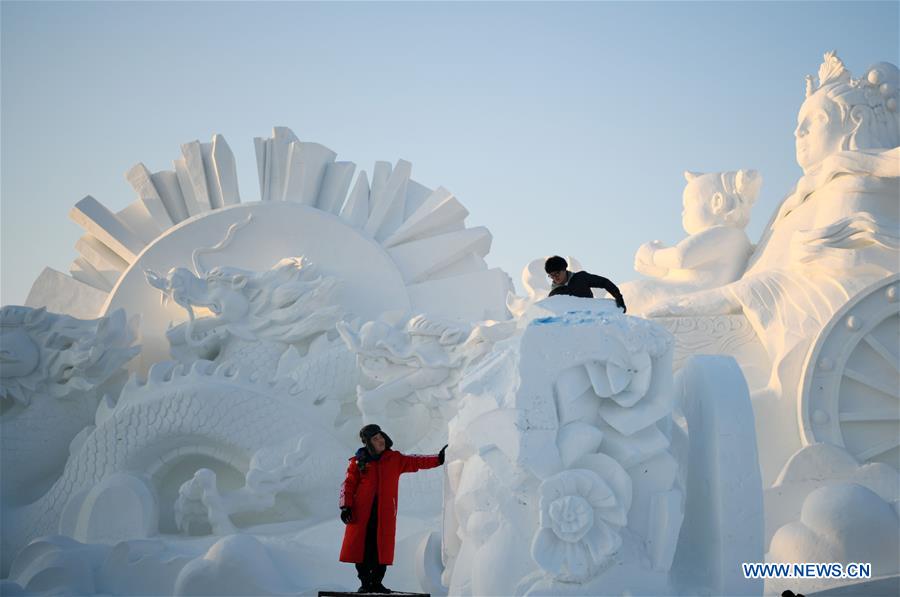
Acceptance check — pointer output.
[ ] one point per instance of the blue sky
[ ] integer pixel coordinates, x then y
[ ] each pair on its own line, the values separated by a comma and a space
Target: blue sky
563, 127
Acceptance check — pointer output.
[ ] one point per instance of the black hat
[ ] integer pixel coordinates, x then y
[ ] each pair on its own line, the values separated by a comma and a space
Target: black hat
555, 264
370, 431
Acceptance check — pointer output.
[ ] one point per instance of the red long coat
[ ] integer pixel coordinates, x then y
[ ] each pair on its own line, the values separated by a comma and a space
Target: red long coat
358, 491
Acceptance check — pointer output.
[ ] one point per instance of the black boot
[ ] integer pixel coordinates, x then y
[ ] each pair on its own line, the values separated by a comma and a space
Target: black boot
365, 578
377, 575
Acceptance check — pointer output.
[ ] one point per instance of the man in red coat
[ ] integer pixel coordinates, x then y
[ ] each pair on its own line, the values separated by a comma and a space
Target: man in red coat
369, 504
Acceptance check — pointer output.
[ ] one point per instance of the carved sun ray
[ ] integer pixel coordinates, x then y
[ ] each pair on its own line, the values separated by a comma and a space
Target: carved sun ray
413, 223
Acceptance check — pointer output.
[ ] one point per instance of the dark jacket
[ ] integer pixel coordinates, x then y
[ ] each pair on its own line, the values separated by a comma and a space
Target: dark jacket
580, 284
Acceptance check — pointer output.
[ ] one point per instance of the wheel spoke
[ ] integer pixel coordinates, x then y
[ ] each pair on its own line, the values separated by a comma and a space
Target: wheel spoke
875, 385
881, 349
869, 415
878, 449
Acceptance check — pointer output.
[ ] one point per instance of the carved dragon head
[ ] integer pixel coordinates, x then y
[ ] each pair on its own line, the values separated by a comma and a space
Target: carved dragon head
59, 355
290, 303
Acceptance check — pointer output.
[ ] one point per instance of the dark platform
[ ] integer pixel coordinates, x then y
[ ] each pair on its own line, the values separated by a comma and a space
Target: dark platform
339, 594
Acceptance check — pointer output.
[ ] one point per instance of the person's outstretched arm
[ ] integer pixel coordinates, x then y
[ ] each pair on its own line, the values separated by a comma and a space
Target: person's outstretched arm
415, 462
606, 284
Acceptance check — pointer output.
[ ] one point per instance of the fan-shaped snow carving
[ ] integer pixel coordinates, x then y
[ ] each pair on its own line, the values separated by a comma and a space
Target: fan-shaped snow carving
395, 242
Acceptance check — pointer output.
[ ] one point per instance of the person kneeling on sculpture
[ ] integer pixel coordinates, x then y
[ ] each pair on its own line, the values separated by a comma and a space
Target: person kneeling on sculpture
368, 504
579, 283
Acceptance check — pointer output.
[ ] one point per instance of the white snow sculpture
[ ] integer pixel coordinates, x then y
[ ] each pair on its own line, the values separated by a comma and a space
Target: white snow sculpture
274, 471
833, 242
559, 457
816, 466
826, 533
410, 372
821, 297
235, 418
254, 317
836, 233
252, 426
277, 324
54, 369
162, 431
567, 463
239, 564
393, 243
723, 518
716, 211
581, 518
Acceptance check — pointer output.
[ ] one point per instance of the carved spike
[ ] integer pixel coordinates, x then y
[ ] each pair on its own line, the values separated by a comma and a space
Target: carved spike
130, 390
104, 409
226, 370
289, 361
242, 376
320, 344
283, 386
203, 367
161, 372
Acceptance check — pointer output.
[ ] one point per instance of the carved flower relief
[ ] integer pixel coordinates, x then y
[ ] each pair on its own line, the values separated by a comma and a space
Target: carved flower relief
623, 378
579, 525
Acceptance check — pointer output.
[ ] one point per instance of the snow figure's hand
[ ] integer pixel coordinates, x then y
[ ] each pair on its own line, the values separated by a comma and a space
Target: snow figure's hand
643, 260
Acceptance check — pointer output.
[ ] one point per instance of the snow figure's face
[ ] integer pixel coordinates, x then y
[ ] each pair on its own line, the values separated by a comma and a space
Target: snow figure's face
697, 200
18, 354
819, 131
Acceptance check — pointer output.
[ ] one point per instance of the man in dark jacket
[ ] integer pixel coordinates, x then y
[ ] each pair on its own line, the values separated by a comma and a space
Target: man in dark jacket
368, 504
579, 283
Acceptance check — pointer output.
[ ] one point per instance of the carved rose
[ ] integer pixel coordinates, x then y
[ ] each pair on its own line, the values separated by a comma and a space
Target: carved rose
579, 525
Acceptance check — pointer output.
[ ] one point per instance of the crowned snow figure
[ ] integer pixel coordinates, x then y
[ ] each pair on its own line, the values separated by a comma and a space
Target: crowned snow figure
836, 232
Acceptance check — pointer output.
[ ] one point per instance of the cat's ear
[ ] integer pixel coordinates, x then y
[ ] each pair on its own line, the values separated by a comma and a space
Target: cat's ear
689, 176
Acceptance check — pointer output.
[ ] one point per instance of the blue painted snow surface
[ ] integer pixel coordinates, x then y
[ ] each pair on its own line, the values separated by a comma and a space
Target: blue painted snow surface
570, 318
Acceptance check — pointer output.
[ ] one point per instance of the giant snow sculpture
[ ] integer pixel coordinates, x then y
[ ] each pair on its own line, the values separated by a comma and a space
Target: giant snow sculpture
814, 319
257, 413
271, 330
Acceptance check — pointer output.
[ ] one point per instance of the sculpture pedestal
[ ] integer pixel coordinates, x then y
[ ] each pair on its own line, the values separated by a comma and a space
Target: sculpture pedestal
356, 594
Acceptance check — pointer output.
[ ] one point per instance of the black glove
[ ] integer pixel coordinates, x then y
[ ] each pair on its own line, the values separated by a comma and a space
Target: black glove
441, 455
346, 515
620, 303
